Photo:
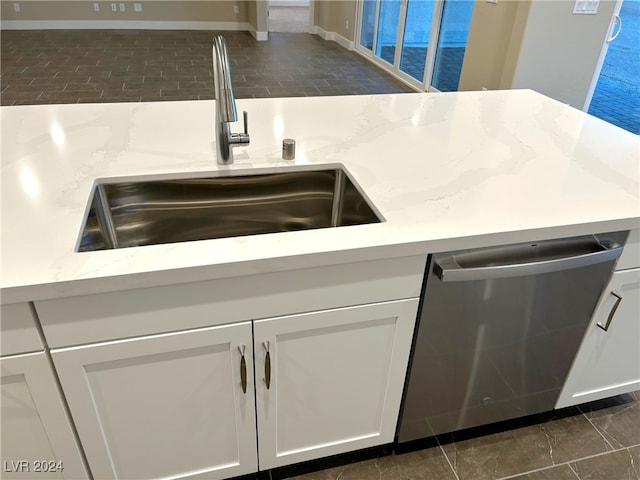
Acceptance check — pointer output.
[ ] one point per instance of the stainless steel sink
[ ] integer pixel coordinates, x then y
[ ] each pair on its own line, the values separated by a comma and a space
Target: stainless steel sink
150, 212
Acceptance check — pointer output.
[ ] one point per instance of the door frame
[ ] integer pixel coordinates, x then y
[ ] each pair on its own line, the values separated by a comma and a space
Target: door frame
311, 21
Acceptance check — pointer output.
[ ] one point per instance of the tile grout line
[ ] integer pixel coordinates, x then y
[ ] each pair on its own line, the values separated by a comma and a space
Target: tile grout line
596, 428
574, 471
633, 465
455, 474
568, 462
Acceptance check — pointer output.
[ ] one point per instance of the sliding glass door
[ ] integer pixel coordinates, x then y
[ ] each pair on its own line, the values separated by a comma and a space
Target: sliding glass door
368, 21
431, 36
452, 42
387, 30
416, 38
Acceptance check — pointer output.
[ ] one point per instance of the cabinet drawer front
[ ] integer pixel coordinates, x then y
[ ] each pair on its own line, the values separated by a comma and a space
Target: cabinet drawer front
164, 406
335, 380
18, 332
109, 316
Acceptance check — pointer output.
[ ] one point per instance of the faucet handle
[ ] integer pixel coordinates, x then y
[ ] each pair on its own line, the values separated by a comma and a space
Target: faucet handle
241, 138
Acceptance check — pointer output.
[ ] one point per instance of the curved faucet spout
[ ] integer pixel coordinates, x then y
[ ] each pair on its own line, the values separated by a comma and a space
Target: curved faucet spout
225, 104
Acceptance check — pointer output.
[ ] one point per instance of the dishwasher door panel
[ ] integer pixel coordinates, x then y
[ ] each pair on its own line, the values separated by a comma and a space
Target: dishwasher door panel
491, 350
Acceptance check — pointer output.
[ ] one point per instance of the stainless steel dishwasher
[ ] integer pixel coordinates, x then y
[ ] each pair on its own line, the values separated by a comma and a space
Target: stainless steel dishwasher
499, 328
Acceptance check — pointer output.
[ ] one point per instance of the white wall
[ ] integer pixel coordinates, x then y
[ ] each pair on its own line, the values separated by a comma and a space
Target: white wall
493, 44
537, 44
559, 52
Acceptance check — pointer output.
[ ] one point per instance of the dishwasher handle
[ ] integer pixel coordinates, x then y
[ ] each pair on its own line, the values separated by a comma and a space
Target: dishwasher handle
448, 270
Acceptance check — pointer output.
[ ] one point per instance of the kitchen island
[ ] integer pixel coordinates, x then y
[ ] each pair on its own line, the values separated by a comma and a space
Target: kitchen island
445, 172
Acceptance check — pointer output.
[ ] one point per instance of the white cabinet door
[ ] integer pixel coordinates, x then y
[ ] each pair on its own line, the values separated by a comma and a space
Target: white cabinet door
37, 437
336, 380
608, 362
164, 406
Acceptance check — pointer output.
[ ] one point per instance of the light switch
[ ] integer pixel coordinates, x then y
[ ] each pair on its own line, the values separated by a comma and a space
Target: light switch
586, 7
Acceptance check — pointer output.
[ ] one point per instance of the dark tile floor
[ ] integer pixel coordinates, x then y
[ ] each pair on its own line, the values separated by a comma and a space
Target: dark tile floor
594, 441
78, 66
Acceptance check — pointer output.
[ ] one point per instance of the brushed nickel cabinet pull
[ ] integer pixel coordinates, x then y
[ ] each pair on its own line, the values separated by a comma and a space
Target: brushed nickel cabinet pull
243, 370
605, 327
267, 365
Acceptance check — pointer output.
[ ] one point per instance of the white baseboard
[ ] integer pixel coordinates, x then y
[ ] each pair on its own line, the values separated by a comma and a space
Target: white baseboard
334, 37
289, 3
121, 25
344, 42
259, 36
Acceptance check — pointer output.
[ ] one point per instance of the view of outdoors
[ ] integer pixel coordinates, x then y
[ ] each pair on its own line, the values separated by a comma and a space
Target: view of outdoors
416, 38
452, 40
387, 30
617, 95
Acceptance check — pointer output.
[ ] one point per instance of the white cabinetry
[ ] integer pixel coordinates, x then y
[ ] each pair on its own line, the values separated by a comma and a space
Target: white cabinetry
334, 381
153, 378
608, 362
172, 405
37, 438
18, 328
164, 406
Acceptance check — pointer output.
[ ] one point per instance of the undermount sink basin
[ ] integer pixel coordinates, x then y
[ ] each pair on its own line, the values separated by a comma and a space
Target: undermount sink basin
150, 212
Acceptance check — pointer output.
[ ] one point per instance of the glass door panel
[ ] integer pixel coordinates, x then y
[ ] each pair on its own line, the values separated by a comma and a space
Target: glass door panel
368, 23
431, 34
452, 42
415, 41
388, 30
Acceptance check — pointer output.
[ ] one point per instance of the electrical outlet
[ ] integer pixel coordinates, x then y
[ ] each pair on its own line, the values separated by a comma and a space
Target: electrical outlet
122, 7
96, 7
585, 7
114, 7
346, 24
236, 9
137, 7
16, 7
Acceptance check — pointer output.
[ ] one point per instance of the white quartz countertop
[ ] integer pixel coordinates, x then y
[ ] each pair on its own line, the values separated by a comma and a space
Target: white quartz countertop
446, 171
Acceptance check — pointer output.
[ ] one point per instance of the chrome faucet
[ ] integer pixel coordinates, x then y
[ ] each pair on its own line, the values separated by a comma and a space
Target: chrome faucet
225, 105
